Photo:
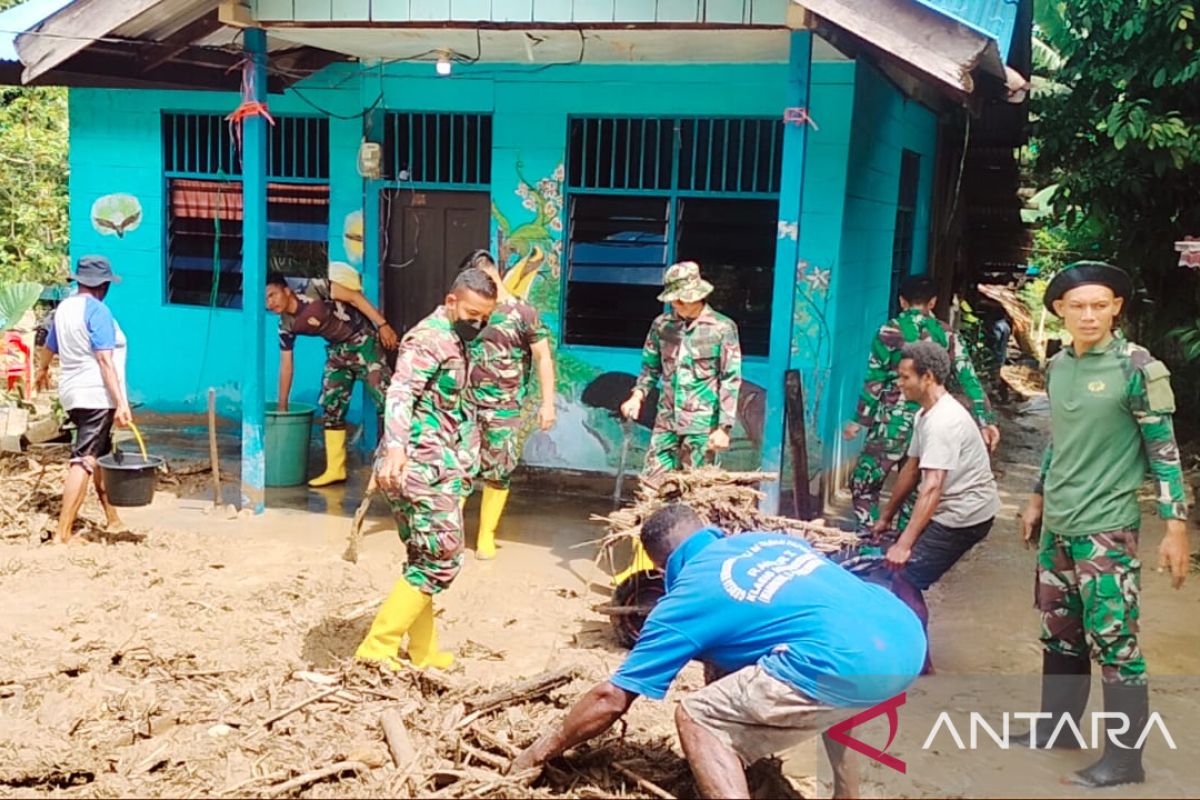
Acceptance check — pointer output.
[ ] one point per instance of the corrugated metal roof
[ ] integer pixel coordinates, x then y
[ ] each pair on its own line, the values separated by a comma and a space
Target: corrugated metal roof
996, 18
164, 19
19, 19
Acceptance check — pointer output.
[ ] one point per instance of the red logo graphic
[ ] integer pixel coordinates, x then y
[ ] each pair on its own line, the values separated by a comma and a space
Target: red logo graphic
838, 732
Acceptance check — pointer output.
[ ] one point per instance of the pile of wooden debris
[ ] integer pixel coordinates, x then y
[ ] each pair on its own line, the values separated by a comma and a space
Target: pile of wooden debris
728, 500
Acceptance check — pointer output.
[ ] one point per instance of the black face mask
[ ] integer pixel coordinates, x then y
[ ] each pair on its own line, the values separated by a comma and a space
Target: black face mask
468, 329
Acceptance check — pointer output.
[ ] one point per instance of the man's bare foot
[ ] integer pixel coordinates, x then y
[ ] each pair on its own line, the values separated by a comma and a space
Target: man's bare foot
114, 524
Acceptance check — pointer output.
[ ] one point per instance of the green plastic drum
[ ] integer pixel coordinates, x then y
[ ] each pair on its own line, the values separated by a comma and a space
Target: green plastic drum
288, 434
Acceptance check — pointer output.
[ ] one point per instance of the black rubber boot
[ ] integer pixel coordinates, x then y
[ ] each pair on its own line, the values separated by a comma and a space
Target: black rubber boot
1066, 683
1121, 763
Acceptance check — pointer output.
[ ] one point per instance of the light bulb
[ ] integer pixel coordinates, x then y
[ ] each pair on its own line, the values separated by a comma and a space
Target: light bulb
443, 65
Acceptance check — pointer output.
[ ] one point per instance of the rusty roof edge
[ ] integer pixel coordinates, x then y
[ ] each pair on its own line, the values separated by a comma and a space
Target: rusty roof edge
952, 67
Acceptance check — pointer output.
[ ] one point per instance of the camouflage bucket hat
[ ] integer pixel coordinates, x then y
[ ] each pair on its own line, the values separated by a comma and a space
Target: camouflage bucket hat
682, 281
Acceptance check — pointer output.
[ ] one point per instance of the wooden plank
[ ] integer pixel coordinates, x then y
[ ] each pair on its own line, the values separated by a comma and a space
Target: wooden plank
593, 11
803, 500
676, 11
314, 10
351, 10
472, 10
155, 55
768, 12
634, 10
390, 10
274, 10
553, 10
512, 10
735, 12
71, 30
429, 10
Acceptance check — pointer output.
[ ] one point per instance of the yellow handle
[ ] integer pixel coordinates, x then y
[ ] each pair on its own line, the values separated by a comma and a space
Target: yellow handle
138, 435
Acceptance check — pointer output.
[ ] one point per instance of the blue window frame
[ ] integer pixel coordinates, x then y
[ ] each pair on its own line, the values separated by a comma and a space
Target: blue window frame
645, 193
203, 172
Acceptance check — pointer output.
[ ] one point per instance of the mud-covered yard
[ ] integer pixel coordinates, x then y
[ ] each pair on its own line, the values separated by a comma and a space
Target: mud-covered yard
202, 653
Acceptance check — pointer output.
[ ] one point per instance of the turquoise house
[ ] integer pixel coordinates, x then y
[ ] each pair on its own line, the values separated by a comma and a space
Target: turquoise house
808, 154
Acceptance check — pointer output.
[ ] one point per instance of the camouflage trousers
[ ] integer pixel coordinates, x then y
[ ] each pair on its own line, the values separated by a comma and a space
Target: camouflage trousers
885, 447
495, 436
670, 451
1087, 592
429, 520
345, 362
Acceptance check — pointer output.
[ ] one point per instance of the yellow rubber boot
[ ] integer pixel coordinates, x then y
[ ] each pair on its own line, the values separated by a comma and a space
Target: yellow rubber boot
491, 506
423, 643
641, 563
395, 618
335, 459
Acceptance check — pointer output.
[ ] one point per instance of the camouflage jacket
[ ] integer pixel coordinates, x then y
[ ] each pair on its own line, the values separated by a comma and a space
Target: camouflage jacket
425, 409
881, 398
700, 365
320, 315
502, 353
1110, 423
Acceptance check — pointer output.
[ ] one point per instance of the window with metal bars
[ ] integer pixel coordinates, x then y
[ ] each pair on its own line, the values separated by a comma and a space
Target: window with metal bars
204, 205
906, 221
438, 150
645, 193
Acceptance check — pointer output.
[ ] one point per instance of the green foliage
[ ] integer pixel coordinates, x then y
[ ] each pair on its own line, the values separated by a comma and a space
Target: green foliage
1187, 339
1122, 141
33, 183
15, 300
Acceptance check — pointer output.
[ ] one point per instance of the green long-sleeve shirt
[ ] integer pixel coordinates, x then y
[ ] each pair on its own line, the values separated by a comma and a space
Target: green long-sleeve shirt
1110, 423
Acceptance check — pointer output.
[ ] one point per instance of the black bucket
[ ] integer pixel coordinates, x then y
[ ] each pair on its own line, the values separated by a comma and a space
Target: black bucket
129, 479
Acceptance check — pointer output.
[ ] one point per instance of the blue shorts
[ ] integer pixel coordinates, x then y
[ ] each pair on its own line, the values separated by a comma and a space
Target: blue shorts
938, 549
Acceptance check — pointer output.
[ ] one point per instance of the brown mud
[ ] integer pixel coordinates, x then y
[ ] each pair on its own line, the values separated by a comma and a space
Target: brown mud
147, 662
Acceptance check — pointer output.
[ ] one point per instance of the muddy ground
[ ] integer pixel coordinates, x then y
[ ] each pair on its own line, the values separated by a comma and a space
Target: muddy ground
149, 663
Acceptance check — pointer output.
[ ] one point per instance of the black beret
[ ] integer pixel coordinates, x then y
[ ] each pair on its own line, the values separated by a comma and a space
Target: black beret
1082, 273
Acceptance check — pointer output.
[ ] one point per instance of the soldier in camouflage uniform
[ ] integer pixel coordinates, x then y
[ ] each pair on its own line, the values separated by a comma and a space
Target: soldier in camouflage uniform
884, 412
500, 359
336, 310
421, 470
1110, 411
696, 353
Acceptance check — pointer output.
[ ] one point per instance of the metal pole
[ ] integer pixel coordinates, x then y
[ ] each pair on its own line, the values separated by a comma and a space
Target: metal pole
254, 277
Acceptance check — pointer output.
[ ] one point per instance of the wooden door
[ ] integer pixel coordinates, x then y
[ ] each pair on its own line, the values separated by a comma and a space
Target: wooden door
425, 235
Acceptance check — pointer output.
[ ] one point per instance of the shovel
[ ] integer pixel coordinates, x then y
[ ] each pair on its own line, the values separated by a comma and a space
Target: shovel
623, 462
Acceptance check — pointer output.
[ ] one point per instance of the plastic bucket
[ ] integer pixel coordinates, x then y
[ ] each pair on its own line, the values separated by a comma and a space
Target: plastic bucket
130, 479
288, 433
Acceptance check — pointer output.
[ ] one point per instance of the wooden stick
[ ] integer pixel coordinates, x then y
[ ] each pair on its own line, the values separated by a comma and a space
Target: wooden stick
314, 776
398, 741
360, 514
293, 709
491, 740
521, 692
212, 446
491, 759
649, 786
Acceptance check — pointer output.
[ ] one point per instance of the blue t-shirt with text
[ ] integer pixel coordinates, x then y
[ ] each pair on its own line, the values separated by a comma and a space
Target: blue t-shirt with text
770, 599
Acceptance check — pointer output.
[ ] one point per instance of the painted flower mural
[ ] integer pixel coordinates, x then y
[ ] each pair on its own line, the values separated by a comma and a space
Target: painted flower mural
116, 214
528, 247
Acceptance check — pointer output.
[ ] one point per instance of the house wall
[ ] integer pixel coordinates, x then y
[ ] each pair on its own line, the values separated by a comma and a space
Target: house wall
882, 124
848, 203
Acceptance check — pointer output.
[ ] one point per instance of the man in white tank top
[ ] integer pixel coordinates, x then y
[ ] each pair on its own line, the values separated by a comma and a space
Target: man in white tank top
91, 349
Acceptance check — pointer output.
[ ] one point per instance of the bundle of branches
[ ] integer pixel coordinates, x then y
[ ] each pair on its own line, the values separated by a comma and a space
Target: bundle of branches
728, 500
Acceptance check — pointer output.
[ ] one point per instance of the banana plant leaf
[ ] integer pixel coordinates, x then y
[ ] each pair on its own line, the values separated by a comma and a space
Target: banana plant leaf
15, 300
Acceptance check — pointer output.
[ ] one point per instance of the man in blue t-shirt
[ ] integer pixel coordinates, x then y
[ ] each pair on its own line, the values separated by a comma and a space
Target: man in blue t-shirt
802, 644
